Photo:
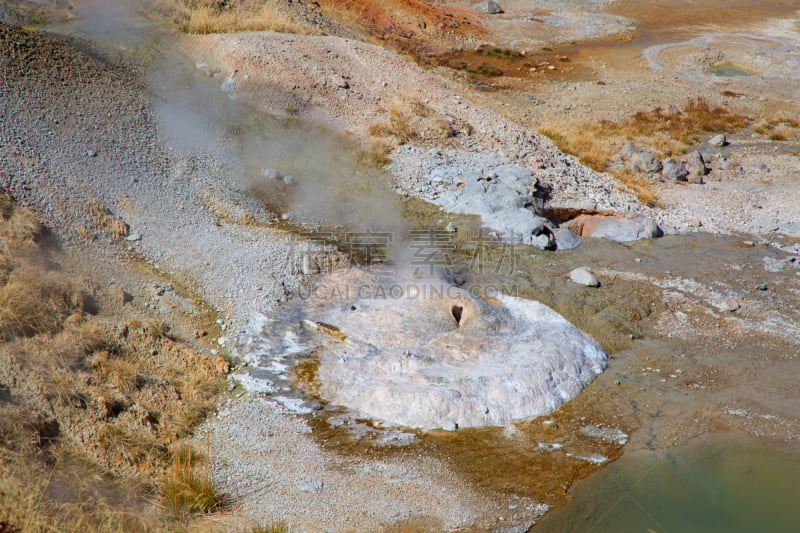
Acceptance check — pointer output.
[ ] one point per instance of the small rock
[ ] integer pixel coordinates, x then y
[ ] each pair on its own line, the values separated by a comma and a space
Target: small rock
628, 149
729, 305
489, 6
135, 236
582, 276
271, 173
450, 228
541, 241
761, 287
718, 140
674, 170
288, 180
550, 423
311, 485
566, 239
91, 153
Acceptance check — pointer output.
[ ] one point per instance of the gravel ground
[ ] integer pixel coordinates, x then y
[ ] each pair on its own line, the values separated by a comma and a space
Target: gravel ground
74, 128
267, 457
352, 85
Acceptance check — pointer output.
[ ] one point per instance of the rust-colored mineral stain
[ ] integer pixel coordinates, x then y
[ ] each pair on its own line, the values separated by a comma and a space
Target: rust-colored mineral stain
489, 459
331, 330
304, 374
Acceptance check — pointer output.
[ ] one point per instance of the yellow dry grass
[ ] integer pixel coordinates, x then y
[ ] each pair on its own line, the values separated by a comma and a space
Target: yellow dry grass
778, 127
407, 120
104, 220
682, 125
90, 403
188, 487
32, 301
375, 154
215, 16
668, 132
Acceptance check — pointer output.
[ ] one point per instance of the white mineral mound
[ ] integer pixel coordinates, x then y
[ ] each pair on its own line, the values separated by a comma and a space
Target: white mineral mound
425, 354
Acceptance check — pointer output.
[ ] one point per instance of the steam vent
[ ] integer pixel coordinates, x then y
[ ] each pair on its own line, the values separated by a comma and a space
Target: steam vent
425, 354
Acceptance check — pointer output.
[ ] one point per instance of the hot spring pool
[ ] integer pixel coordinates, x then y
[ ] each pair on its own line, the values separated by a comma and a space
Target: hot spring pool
722, 483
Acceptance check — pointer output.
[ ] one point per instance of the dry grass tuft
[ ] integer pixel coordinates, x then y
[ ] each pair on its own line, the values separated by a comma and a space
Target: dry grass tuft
595, 154
778, 128
33, 301
20, 235
408, 120
104, 219
189, 487
376, 154
639, 186
584, 146
221, 16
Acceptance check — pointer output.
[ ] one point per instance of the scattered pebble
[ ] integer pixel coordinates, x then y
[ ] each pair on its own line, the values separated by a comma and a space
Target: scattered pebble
311, 485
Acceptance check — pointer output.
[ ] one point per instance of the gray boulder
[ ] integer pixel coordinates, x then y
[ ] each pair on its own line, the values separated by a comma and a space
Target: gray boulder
645, 161
489, 6
674, 170
566, 239
696, 164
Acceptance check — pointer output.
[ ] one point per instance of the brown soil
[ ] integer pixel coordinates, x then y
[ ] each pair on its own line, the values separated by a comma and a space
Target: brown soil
493, 66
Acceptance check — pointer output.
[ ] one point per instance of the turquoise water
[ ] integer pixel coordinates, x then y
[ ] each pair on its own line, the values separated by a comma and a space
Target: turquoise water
726, 484
729, 71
